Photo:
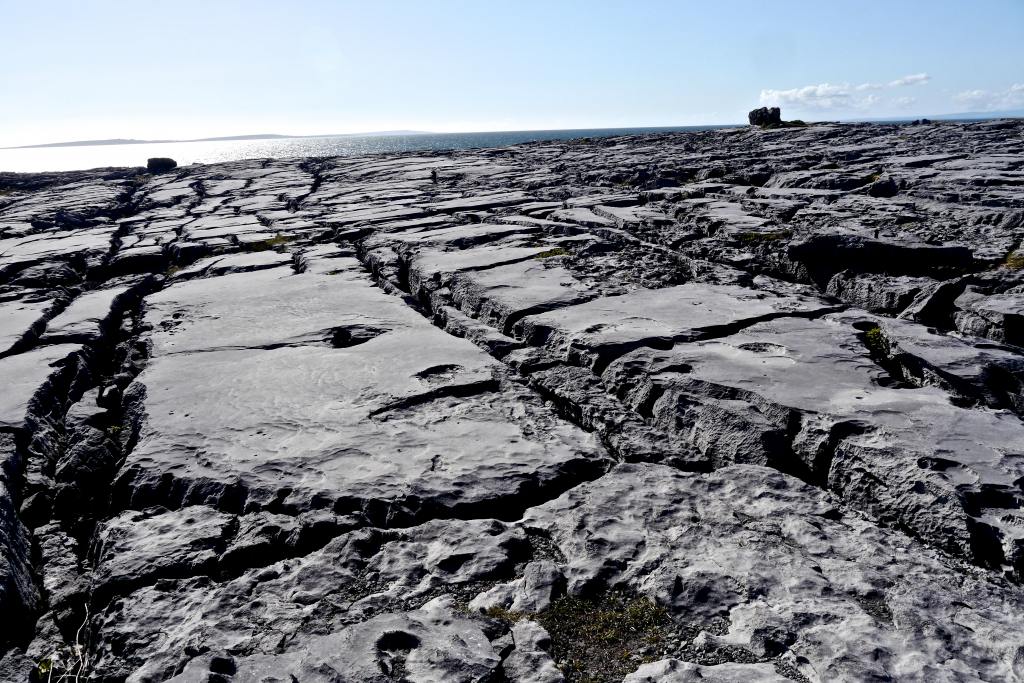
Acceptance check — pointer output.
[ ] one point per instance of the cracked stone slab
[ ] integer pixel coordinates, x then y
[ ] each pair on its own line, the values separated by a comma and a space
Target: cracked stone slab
270, 308
856, 602
971, 367
21, 319
135, 548
676, 671
82, 321
806, 393
404, 425
433, 643
598, 331
285, 605
24, 375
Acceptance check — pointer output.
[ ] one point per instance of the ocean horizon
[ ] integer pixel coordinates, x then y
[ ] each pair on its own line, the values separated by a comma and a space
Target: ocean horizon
81, 157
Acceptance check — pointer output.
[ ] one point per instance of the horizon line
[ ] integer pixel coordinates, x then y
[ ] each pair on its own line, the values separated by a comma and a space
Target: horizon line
965, 116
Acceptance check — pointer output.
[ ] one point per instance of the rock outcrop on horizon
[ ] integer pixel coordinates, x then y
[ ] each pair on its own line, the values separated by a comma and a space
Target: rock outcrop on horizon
765, 116
736, 405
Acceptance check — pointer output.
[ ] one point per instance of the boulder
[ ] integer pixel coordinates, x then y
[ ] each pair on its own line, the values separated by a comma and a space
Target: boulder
160, 165
765, 116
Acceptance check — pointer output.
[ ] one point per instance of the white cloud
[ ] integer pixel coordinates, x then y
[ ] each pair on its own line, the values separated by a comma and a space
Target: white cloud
836, 96
912, 79
904, 102
823, 96
992, 100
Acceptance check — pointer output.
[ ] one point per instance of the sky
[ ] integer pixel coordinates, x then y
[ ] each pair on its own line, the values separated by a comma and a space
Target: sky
77, 69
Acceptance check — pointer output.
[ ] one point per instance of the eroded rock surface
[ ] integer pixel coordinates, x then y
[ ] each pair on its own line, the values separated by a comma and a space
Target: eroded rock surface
740, 405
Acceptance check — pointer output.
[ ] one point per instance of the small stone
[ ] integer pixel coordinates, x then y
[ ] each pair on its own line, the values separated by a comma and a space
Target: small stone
160, 164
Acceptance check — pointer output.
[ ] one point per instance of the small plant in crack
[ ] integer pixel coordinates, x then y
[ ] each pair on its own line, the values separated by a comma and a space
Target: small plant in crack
68, 663
602, 638
274, 242
552, 253
504, 615
1015, 260
876, 343
755, 237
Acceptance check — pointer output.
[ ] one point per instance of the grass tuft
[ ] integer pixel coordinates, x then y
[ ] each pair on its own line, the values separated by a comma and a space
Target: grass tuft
753, 237
274, 242
876, 342
1015, 260
604, 638
551, 253
501, 614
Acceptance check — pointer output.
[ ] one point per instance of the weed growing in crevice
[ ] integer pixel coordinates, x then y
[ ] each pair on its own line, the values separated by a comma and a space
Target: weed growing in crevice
758, 237
551, 253
876, 343
602, 638
274, 242
1015, 260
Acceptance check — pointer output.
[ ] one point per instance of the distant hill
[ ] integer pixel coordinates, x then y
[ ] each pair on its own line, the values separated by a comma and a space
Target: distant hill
959, 116
226, 138
1007, 114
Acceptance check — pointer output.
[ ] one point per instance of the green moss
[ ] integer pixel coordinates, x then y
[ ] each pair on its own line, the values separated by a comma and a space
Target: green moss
604, 638
502, 614
64, 664
874, 177
551, 253
1015, 260
44, 667
274, 242
876, 342
754, 237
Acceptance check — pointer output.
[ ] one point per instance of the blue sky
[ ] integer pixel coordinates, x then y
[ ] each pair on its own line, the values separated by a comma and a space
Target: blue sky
99, 69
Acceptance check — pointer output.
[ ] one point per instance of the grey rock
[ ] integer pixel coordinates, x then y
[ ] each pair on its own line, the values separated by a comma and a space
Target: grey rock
136, 548
675, 671
430, 644
858, 599
355, 577
529, 661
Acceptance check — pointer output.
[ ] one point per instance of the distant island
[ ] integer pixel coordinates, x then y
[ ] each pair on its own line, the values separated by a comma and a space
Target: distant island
226, 138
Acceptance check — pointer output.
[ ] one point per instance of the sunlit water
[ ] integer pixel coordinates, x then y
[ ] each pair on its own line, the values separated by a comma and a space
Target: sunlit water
97, 156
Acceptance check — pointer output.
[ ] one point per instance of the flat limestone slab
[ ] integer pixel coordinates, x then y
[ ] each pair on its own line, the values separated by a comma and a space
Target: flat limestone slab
269, 307
599, 330
501, 296
306, 391
82, 320
377, 426
19, 319
23, 375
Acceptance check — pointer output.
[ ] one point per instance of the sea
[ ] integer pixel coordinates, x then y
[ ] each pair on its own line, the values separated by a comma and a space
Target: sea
71, 158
